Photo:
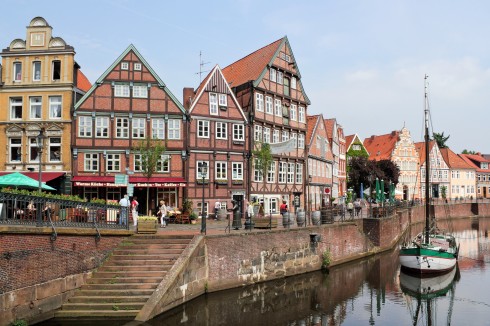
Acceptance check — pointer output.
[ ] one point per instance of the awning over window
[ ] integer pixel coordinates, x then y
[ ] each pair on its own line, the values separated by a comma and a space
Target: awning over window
45, 176
108, 181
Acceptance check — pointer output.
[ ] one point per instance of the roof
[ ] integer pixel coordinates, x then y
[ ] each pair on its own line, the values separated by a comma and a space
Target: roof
348, 141
82, 82
475, 160
420, 147
329, 124
311, 122
381, 147
454, 161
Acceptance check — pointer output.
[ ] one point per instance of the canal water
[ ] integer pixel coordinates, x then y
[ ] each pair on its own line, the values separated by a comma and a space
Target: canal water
372, 291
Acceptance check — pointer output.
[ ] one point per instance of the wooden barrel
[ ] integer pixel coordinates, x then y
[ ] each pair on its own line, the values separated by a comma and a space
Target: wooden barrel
285, 219
300, 217
315, 218
221, 214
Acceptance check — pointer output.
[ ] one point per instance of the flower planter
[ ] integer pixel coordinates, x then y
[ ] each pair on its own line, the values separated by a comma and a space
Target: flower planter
147, 225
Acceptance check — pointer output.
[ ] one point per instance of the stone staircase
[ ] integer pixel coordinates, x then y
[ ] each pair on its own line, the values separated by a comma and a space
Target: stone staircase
127, 279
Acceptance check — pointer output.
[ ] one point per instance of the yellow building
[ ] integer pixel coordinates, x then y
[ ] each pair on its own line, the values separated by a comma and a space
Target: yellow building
40, 83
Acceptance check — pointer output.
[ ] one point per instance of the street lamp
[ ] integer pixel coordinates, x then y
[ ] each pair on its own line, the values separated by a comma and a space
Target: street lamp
203, 167
40, 144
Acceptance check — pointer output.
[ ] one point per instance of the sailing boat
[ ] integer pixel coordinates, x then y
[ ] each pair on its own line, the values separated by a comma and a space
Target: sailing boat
431, 251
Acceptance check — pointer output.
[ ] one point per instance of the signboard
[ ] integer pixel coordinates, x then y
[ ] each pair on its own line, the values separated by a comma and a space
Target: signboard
296, 201
326, 190
121, 179
130, 189
138, 185
284, 147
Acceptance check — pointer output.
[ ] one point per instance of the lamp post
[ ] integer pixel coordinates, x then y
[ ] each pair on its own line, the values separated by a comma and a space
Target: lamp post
40, 143
203, 167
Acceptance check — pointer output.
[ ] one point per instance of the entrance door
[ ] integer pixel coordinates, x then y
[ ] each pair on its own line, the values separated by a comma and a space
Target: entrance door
435, 191
239, 201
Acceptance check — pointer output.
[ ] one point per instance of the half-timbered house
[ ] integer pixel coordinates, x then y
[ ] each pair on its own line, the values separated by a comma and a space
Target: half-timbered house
128, 104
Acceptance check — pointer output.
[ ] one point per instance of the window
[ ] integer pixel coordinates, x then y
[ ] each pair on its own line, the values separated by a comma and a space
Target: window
124, 65
291, 167
259, 102
55, 107
293, 82
36, 71
121, 90
285, 135
85, 127
277, 107
223, 100
286, 86
56, 70
198, 169
268, 104
199, 208
33, 151
258, 177
258, 133
237, 171
91, 162
36, 105
299, 172
137, 66
17, 71
301, 141
282, 172
158, 129
54, 149
293, 113
295, 137
138, 163
238, 132
275, 136
271, 173
163, 164
139, 128
112, 163
140, 91
272, 205
213, 103
15, 149
203, 128
173, 129
220, 170
267, 135
279, 77
221, 130
122, 128
102, 127
301, 114
273, 75
16, 108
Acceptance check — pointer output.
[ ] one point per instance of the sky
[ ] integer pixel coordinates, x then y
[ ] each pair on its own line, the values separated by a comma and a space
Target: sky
361, 62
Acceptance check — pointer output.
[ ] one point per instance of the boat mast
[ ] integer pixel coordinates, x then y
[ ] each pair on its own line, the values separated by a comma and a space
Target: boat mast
427, 163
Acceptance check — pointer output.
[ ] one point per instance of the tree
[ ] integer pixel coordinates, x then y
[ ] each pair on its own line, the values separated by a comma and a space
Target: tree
465, 151
440, 139
262, 158
150, 158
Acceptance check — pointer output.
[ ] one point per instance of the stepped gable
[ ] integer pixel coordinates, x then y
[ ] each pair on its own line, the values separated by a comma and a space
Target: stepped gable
381, 147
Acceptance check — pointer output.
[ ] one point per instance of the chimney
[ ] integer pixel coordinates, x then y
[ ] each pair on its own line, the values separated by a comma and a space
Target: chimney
188, 96
393, 133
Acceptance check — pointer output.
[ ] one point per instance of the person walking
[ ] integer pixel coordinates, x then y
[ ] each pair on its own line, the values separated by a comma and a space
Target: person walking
162, 213
125, 204
217, 207
357, 206
134, 210
283, 208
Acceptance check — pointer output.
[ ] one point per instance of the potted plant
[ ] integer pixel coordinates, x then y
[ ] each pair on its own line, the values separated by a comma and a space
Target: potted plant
147, 224
193, 217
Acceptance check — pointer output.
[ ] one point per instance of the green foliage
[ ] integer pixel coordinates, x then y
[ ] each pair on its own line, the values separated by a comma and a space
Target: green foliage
115, 307
443, 192
362, 170
193, 216
326, 258
20, 322
465, 151
187, 206
263, 158
42, 194
440, 139
151, 151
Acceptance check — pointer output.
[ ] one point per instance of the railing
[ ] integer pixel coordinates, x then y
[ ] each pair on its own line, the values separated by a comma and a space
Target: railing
19, 209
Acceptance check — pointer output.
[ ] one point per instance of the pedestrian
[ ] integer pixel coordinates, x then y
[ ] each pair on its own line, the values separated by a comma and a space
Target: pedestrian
250, 209
125, 204
283, 208
357, 206
162, 213
134, 210
217, 207
350, 208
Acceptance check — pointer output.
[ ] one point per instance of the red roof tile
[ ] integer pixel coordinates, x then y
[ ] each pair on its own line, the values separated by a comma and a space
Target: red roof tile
454, 161
311, 121
250, 67
82, 81
475, 160
381, 147
348, 141
329, 123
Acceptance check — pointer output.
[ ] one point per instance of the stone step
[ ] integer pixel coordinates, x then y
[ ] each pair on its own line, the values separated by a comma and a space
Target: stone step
144, 257
139, 262
137, 268
154, 246
104, 306
162, 236
124, 280
108, 299
120, 286
130, 241
115, 293
147, 251
96, 314
125, 273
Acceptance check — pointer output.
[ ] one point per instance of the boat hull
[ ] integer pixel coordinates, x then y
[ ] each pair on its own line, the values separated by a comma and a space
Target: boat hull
426, 260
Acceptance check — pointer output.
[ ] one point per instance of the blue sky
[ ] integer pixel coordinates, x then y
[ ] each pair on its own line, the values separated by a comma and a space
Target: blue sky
362, 62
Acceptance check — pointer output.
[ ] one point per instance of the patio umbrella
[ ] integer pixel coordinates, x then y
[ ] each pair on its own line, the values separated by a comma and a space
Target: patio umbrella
362, 191
392, 193
378, 191
17, 179
383, 191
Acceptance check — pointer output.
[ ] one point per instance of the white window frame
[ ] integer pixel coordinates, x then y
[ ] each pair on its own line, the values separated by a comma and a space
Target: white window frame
14, 104
301, 114
299, 172
163, 164
278, 107
91, 162
35, 107
271, 173
158, 128
101, 127
202, 128
173, 129
124, 65
301, 140
280, 77
238, 132
213, 103
275, 136
85, 126
258, 177
140, 91
113, 162
54, 145
138, 163
293, 112
121, 90
259, 102
257, 133
17, 144
267, 135
268, 105
221, 131
36, 71
137, 66
198, 171
273, 74
237, 170
122, 127
17, 69
291, 169
138, 129
221, 170
284, 136
223, 100
55, 102
293, 82
281, 176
